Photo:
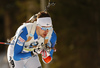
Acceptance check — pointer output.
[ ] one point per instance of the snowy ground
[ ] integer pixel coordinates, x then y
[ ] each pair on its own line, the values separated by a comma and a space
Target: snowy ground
3, 60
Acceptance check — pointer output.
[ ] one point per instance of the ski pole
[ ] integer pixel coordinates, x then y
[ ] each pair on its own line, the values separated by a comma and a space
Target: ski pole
6, 43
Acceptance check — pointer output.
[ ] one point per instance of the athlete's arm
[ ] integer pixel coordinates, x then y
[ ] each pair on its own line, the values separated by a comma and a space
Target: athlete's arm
53, 42
18, 55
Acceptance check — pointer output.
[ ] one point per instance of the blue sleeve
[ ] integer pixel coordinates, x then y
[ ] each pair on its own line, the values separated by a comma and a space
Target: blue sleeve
53, 42
18, 55
53, 39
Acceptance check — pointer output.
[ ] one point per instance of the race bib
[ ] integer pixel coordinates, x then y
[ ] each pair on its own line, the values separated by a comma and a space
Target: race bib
20, 41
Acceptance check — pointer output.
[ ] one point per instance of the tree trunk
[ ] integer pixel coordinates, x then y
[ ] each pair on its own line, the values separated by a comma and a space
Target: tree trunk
42, 6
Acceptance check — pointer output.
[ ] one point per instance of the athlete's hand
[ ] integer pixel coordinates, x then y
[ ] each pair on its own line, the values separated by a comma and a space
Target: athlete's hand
37, 50
44, 53
46, 57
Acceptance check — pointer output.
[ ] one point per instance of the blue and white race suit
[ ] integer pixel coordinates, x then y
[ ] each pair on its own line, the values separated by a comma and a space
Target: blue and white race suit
17, 52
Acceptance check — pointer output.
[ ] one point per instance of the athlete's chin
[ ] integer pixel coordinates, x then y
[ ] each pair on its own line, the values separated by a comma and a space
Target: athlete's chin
44, 35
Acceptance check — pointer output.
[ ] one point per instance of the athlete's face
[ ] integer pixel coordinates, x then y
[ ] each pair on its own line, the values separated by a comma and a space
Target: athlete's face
43, 30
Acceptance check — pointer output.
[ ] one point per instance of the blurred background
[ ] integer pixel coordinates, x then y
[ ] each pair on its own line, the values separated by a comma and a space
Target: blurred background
76, 23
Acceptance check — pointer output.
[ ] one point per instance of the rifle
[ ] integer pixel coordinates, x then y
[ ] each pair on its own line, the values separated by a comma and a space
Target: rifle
34, 17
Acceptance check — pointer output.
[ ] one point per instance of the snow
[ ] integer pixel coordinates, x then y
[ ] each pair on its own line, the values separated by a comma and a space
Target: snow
3, 60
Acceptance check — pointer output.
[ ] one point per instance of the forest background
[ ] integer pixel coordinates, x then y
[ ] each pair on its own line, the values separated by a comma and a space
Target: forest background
76, 23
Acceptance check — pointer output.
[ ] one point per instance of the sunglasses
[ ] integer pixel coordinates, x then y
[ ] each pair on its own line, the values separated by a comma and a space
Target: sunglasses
45, 28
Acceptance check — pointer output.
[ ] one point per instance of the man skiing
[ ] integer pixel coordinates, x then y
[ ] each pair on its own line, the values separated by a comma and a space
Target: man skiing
30, 40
